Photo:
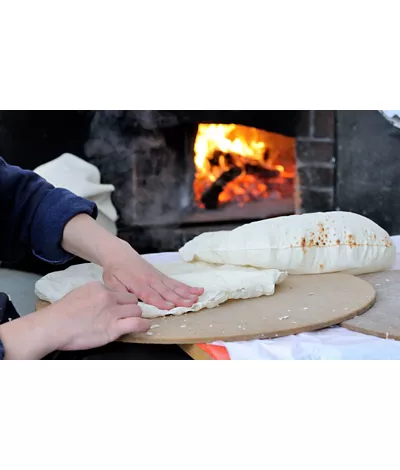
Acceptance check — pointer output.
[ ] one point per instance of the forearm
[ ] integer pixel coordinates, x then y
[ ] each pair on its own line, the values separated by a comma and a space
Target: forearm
32, 336
87, 239
33, 215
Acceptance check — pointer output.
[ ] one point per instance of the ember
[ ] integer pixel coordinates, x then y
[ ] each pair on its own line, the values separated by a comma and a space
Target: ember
241, 164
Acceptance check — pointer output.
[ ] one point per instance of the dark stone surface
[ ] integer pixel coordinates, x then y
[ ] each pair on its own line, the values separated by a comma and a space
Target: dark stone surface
316, 176
303, 126
368, 167
324, 124
314, 152
314, 200
148, 166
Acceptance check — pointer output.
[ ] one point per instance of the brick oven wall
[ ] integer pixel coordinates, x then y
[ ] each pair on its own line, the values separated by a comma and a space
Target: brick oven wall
315, 162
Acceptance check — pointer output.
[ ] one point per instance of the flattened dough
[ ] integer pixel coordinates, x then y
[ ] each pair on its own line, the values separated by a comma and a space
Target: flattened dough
221, 283
299, 244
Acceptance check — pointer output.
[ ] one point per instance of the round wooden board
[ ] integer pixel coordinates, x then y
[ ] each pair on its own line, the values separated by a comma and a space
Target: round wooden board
383, 319
309, 303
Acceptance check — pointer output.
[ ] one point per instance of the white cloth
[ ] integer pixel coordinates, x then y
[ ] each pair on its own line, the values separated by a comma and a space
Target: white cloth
83, 179
327, 344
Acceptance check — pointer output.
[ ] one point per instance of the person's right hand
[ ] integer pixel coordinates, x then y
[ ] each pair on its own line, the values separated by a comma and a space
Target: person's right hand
88, 317
93, 316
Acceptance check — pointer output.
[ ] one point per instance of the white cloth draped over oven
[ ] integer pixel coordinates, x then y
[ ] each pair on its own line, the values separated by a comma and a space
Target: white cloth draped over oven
84, 180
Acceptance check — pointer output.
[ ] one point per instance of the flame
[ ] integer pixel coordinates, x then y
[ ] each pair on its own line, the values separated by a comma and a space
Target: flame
220, 147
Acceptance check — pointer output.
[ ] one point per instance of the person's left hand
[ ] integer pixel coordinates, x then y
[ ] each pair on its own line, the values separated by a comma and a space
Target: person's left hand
129, 272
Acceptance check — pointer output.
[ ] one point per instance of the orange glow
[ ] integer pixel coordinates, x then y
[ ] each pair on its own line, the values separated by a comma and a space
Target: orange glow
258, 156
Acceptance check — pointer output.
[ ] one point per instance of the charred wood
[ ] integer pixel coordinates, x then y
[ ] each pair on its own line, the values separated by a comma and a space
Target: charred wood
210, 195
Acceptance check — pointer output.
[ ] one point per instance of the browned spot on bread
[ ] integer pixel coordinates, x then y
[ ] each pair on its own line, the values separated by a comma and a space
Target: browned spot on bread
351, 241
387, 242
321, 266
338, 242
303, 245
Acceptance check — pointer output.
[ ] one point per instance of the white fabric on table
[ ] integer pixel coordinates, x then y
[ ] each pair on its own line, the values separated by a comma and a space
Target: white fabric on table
327, 344
83, 179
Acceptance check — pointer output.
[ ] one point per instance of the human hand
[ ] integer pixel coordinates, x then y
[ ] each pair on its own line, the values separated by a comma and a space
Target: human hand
93, 316
88, 317
126, 271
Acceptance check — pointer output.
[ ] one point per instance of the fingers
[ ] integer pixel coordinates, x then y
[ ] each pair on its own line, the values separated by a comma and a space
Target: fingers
129, 320
166, 293
125, 298
183, 295
125, 326
177, 296
161, 291
127, 311
152, 297
196, 290
122, 294
184, 290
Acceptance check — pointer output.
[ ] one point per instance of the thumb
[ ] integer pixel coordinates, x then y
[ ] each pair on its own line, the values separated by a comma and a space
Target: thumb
129, 325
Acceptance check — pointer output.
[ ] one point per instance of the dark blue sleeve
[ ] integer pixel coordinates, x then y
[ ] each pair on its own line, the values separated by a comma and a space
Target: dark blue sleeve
33, 215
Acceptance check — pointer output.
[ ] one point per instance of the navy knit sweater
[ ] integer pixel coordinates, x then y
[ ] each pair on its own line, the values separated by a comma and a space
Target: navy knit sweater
33, 215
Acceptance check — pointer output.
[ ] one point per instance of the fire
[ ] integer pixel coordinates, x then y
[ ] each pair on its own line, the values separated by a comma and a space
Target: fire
241, 161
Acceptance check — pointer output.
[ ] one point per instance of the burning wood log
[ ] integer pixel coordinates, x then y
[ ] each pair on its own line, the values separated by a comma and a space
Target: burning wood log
216, 156
214, 159
260, 171
210, 195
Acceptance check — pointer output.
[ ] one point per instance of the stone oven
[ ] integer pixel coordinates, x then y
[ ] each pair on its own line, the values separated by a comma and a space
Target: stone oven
180, 173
